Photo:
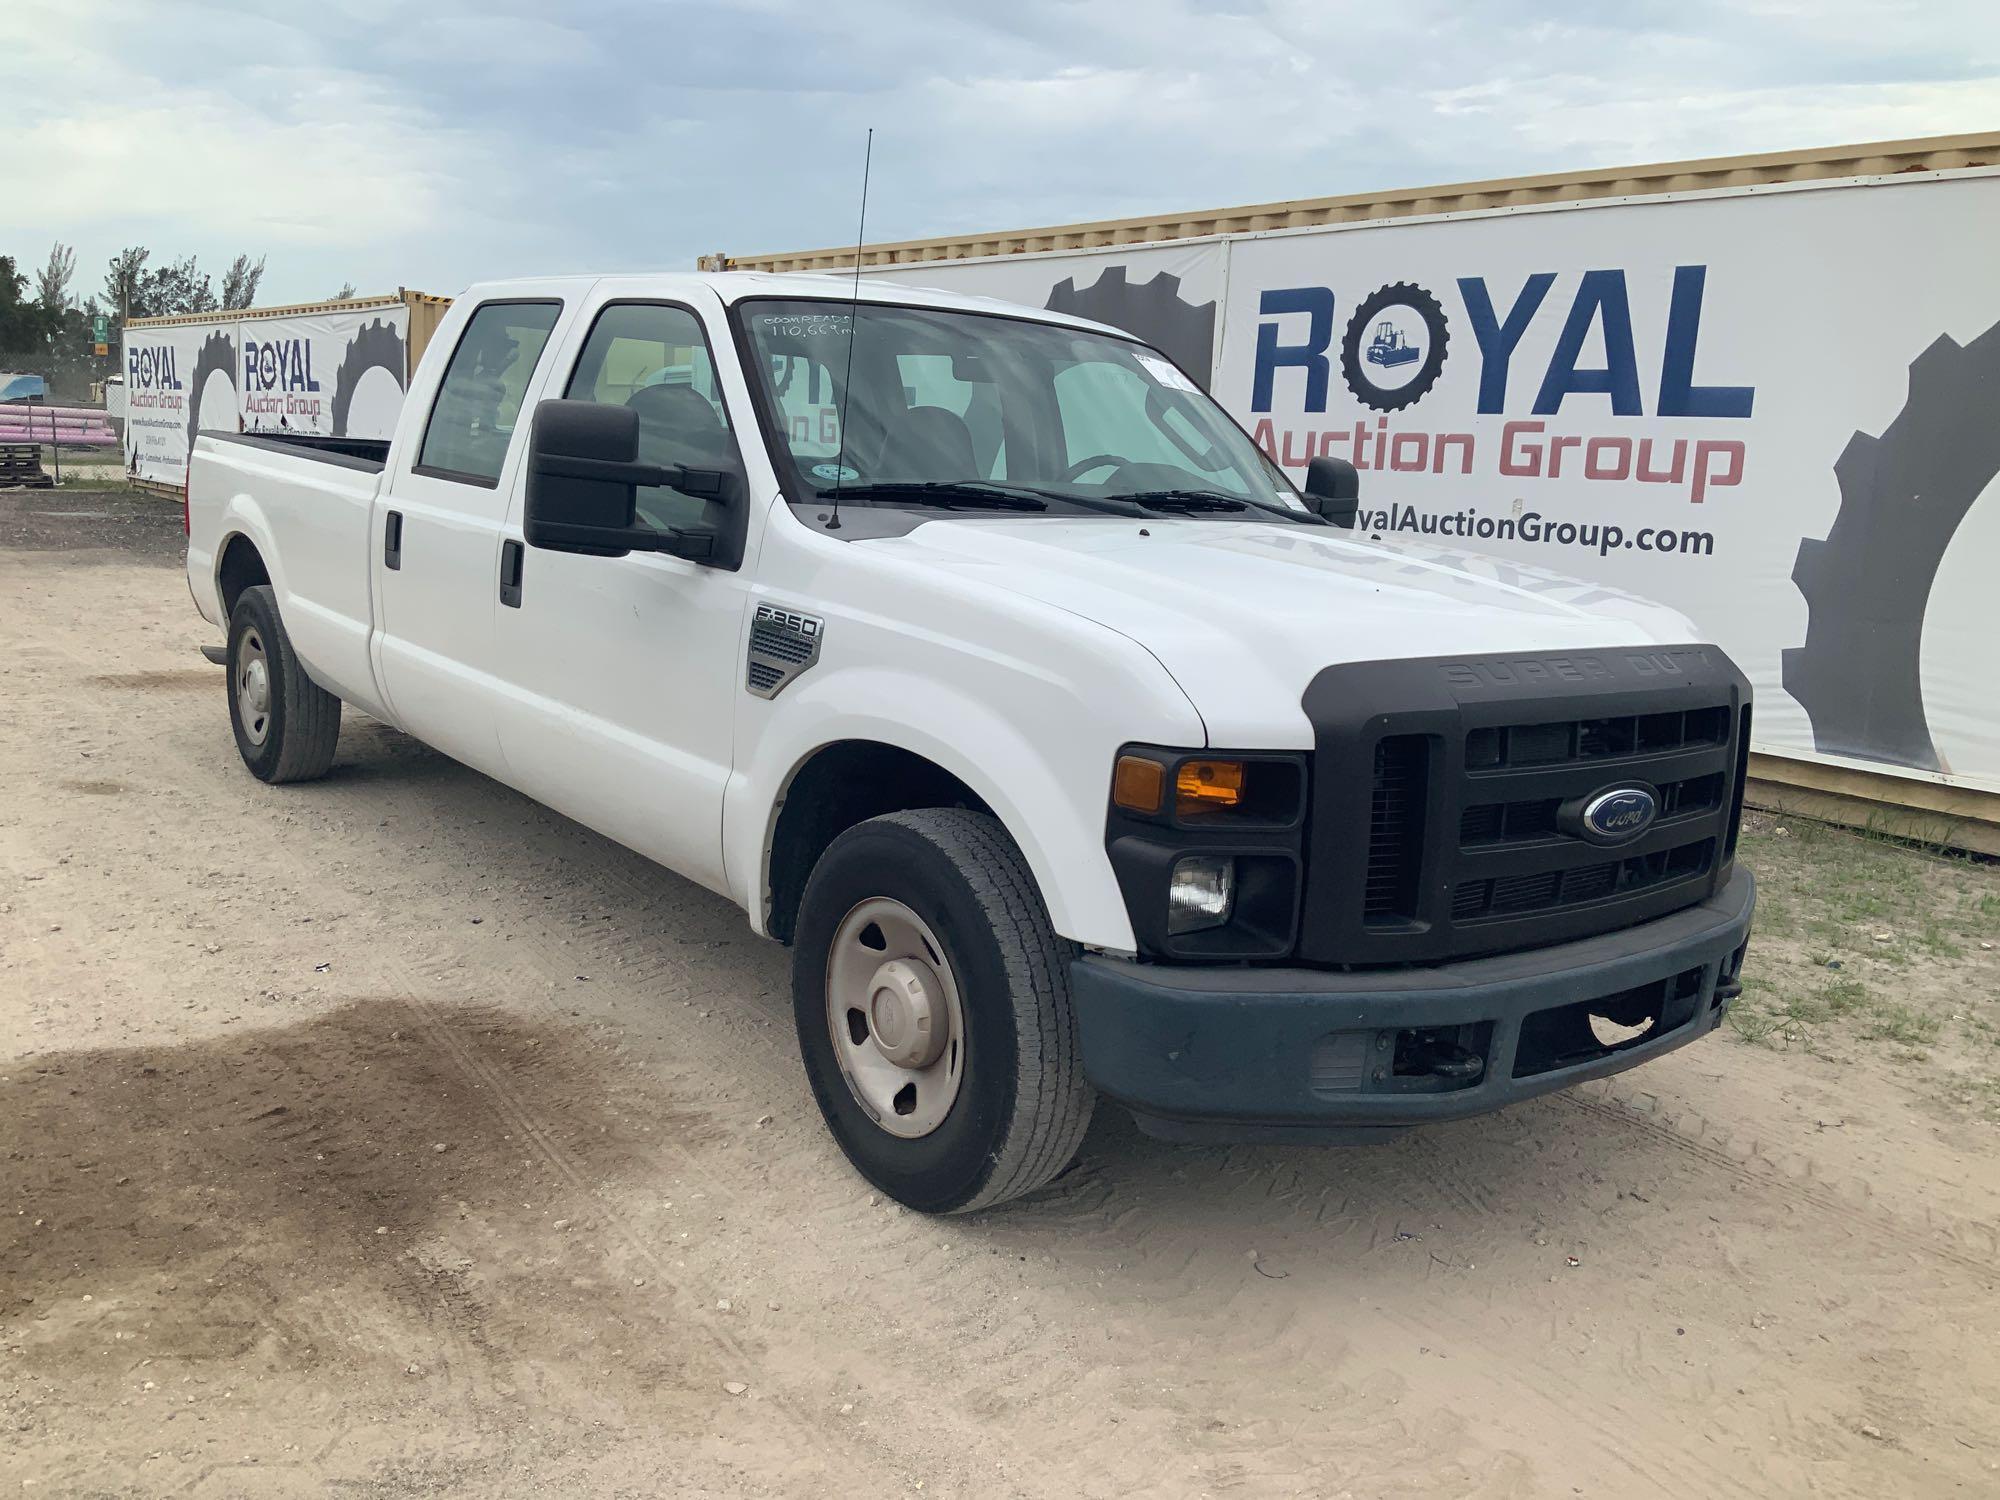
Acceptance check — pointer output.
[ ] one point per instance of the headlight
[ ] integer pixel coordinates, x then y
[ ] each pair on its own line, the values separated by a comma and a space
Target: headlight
1203, 784
1201, 892
1264, 790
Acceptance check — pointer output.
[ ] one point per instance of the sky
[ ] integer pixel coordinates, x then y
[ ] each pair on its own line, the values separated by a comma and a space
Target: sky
432, 143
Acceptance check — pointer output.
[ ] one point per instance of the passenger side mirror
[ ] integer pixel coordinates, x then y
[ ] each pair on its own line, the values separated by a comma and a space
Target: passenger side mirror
1333, 489
584, 476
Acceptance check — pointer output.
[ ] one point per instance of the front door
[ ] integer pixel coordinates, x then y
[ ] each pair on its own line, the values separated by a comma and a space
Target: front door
621, 673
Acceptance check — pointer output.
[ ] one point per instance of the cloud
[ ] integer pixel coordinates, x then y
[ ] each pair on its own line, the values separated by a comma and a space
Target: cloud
387, 144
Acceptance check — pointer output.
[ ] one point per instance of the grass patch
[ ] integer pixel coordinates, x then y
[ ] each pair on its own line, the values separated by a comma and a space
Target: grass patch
1768, 1016
1903, 1026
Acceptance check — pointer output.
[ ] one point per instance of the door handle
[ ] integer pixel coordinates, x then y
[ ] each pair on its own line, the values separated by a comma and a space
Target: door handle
512, 556
392, 540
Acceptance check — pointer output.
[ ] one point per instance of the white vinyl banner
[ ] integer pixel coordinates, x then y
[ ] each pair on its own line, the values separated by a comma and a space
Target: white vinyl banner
320, 375
177, 379
326, 374
1776, 409
1172, 293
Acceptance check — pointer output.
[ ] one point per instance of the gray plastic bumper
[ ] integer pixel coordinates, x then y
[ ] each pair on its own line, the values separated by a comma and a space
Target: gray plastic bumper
1207, 1053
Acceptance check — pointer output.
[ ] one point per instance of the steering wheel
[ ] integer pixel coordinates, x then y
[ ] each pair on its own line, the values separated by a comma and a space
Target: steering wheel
1095, 461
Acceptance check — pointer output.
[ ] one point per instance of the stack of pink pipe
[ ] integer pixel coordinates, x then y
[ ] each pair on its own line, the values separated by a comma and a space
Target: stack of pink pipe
72, 426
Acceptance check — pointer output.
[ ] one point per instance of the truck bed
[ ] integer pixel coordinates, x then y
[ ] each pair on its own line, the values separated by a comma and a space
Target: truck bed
246, 490
369, 455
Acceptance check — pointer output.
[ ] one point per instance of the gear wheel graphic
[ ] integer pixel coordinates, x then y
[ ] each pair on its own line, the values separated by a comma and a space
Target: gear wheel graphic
1866, 586
1425, 306
218, 355
1153, 310
377, 346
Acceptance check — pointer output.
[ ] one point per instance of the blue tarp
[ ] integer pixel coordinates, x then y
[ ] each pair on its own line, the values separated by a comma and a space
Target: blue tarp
23, 387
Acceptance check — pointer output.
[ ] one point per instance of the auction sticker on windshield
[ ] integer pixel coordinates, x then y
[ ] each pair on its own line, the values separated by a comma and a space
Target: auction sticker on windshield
1166, 374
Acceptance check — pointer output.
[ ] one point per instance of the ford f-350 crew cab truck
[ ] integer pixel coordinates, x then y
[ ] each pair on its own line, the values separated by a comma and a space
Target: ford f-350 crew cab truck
980, 657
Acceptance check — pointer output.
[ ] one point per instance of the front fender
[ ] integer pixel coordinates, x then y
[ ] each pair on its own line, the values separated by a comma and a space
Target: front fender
1045, 777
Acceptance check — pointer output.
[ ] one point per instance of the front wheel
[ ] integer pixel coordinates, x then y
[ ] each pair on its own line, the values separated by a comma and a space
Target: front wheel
933, 1009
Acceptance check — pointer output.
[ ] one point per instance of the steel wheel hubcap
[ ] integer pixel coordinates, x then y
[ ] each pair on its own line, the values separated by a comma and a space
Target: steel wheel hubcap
893, 1012
253, 687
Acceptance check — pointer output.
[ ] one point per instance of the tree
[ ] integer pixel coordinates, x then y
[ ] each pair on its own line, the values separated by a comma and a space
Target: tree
177, 288
23, 328
122, 280
239, 282
346, 292
52, 281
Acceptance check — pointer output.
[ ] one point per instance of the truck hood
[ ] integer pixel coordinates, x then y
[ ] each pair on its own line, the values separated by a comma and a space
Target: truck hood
1243, 616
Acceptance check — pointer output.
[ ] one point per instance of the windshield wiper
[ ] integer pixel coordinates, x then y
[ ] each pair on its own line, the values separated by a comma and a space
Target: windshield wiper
951, 494
1189, 501
1183, 500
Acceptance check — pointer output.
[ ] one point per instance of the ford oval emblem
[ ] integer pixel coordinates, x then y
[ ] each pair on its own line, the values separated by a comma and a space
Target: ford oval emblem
1618, 814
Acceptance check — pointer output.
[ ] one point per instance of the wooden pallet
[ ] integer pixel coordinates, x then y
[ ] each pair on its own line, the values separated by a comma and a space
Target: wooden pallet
21, 467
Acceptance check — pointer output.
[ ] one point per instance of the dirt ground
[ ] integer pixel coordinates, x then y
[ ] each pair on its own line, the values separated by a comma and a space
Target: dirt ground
392, 1136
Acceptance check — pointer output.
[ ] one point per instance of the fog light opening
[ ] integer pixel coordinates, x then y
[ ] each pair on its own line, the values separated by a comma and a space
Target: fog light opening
1453, 1056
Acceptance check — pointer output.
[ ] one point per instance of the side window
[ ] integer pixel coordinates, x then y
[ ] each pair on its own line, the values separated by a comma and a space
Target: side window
655, 360
479, 399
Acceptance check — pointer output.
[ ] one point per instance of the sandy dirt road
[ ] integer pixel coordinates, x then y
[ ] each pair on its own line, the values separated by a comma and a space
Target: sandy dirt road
393, 1136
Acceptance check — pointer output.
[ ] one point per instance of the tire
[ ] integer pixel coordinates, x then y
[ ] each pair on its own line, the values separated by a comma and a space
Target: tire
1021, 1104
293, 737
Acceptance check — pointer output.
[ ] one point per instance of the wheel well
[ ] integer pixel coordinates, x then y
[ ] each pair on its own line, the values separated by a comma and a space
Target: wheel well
842, 785
242, 567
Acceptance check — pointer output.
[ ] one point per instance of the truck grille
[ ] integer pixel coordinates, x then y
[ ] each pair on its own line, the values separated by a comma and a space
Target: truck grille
1447, 794
1395, 826
1579, 884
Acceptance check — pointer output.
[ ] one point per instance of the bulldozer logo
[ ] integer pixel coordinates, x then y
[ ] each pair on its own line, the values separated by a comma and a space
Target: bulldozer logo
1395, 347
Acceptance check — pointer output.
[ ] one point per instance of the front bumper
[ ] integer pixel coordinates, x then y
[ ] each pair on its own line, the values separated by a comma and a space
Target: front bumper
1207, 1053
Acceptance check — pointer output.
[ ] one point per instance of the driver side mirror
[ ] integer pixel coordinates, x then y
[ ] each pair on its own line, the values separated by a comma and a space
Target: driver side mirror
1333, 489
584, 476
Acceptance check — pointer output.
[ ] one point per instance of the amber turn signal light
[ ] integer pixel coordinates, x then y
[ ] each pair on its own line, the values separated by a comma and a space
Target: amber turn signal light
1204, 784
1138, 784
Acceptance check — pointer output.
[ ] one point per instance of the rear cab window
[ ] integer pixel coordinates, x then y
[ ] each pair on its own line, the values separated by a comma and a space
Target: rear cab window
479, 400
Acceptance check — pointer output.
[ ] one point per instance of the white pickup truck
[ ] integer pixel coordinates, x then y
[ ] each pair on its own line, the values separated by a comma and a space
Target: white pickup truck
977, 654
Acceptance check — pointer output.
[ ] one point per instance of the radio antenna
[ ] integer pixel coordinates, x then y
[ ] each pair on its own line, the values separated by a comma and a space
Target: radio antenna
853, 317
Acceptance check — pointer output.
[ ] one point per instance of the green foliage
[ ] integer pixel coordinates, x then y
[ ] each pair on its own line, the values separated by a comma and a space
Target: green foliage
23, 326
240, 281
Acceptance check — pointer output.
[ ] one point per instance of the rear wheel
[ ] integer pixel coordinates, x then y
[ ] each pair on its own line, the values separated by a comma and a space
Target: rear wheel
286, 724
933, 1008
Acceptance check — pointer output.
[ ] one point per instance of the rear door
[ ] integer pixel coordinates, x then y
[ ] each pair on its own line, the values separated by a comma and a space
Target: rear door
438, 523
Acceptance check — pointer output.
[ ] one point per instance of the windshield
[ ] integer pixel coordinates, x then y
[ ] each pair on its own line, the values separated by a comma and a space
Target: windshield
971, 411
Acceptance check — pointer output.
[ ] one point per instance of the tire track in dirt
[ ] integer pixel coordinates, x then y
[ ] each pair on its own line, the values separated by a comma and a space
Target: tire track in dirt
502, 1099
1849, 1211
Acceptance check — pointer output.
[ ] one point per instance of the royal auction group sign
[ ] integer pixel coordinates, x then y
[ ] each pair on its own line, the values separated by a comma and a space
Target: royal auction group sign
339, 374
1774, 408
